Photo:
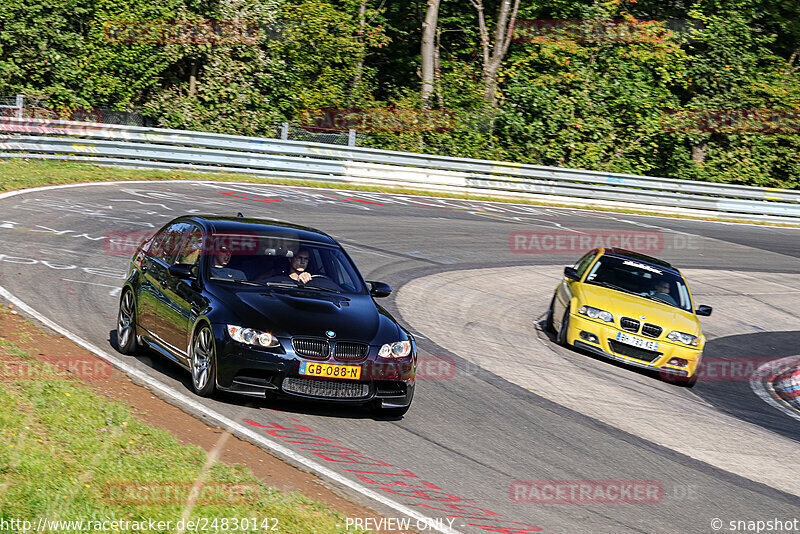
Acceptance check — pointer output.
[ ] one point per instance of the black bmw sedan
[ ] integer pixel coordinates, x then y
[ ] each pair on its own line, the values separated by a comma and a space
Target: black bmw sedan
265, 309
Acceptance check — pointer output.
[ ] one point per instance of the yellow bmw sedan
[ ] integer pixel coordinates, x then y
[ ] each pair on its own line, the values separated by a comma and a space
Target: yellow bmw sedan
632, 308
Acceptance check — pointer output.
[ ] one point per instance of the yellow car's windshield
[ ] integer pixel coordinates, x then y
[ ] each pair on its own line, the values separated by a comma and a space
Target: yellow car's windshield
640, 278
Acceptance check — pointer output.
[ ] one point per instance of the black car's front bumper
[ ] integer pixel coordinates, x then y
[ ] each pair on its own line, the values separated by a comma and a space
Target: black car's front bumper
259, 372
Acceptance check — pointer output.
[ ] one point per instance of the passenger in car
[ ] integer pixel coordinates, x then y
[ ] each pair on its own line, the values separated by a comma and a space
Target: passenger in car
219, 265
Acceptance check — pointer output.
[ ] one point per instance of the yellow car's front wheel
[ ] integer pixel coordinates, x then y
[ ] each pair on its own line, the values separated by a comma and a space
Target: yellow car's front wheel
563, 330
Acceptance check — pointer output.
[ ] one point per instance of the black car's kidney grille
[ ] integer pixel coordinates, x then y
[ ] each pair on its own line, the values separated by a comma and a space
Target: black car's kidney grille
345, 351
651, 330
648, 356
326, 388
315, 349
631, 325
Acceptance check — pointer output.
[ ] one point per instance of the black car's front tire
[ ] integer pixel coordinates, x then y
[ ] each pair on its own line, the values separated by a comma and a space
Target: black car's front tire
126, 324
204, 362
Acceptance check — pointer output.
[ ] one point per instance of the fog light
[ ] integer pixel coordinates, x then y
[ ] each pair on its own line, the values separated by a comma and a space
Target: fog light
679, 362
588, 336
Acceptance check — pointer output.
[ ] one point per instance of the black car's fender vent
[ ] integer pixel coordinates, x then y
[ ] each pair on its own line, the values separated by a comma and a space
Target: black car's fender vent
345, 351
651, 330
326, 388
648, 356
631, 325
390, 389
312, 348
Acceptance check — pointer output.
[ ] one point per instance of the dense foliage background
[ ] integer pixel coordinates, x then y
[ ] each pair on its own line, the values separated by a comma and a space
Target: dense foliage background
584, 103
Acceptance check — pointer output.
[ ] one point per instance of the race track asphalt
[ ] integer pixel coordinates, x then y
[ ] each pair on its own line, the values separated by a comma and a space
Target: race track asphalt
472, 434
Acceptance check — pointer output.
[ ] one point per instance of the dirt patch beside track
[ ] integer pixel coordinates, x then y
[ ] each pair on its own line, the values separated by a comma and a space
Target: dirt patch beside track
54, 354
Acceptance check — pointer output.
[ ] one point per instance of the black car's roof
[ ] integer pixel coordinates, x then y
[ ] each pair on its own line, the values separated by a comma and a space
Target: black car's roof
623, 253
245, 225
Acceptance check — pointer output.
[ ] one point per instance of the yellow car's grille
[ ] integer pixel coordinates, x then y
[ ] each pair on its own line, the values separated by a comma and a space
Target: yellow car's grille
651, 330
631, 325
648, 356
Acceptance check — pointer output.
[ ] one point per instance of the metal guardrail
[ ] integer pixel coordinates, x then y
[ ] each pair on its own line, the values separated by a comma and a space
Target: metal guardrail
160, 148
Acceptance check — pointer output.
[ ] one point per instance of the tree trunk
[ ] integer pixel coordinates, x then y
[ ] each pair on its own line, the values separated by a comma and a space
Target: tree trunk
193, 78
362, 22
699, 152
428, 51
437, 68
495, 51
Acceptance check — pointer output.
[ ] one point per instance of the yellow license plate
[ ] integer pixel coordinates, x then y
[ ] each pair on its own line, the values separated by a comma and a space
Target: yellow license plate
327, 370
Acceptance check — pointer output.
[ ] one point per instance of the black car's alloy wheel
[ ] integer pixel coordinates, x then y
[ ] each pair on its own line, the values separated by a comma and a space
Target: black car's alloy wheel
126, 324
203, 362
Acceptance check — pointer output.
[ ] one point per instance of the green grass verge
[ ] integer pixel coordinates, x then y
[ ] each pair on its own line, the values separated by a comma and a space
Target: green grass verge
67, 453
20, 174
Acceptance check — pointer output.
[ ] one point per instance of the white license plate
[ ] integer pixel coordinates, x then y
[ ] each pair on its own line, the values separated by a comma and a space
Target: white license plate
637, 341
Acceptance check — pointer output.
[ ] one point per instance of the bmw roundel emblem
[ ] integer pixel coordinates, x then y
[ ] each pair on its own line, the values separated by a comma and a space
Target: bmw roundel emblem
642, 317
331, 334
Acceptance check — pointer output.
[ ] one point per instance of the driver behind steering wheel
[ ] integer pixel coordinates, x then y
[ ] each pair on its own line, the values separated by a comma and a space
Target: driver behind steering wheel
298, 265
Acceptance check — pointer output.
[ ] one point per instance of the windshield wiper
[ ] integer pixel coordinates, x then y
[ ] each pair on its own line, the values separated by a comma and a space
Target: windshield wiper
286, 285
658, 299
614, 286
302, 286
238, 281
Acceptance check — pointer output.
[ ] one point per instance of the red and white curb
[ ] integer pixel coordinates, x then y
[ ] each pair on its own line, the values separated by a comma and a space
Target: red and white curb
780, 390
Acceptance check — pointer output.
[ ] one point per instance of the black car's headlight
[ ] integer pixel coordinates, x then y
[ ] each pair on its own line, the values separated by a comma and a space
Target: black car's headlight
686, 339
595, 313
398, 349
252, 337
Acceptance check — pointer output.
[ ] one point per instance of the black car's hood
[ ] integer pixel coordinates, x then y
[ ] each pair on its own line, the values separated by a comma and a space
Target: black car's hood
303, 312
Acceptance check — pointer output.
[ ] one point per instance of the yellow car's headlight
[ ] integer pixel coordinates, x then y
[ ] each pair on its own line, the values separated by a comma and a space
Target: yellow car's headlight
595, 313
686, 339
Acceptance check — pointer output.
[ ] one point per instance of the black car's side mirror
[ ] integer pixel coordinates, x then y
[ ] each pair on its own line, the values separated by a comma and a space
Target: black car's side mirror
571, 273
703, 310
379, 289
184, 271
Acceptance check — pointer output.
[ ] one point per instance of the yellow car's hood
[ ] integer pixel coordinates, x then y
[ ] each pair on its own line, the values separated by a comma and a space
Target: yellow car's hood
628, 305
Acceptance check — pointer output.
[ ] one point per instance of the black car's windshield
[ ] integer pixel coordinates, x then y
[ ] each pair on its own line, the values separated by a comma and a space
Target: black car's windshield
280, 262
640, 278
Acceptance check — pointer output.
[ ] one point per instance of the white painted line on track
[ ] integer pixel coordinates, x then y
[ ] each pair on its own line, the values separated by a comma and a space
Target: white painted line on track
115, 290
228, 424
767, 393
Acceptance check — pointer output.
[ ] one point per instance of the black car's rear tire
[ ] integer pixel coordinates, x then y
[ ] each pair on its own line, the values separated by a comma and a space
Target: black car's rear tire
204, 362
126, 324
561, 339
